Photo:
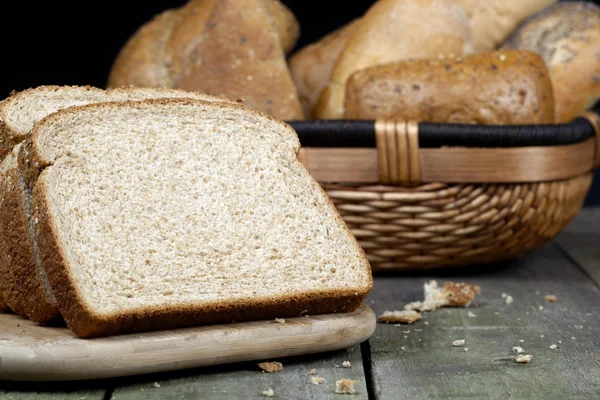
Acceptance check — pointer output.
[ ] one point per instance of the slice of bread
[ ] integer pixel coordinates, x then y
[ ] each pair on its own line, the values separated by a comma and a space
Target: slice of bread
169, 213
22, 281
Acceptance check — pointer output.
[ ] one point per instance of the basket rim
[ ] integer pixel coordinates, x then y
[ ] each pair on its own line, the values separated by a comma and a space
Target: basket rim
361, 134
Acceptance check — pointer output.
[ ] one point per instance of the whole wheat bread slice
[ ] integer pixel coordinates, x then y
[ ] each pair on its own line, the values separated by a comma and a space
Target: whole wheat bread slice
168, 213
22, 280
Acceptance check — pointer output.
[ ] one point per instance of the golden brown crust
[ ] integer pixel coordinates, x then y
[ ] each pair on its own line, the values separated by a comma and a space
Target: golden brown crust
227, 48
85, 323
141, 61
504, 88
312, 65
494, 20
394, 30
22, 286
567, 35
286, 24
251, 67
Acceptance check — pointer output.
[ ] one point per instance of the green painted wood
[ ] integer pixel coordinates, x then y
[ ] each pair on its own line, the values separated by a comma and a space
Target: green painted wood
581, 241
245, 381
62, 391
430, 368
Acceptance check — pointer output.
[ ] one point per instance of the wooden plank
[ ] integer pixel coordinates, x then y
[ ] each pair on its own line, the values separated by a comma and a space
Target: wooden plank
430, 367
54, 391
581, 239
241, 381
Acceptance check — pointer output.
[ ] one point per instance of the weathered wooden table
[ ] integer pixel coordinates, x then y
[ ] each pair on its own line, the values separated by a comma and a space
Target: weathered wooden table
418, 361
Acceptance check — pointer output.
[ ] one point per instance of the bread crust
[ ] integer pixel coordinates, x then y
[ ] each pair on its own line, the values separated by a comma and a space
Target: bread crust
24, 291
567, 35
507, 87
85, 323
232, 49
494, 20
312, 65
394, 30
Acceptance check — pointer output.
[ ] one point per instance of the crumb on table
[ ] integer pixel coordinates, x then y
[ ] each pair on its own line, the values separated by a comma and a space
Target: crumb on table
268, 393
313, 371
518, 349
399, 317
346, 364
317, 380
271, 366
345, 386
280, 320
524, 359
550, 298
459, 343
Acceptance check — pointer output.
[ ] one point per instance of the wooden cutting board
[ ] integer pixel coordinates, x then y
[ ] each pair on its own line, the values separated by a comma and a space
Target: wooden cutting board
29, 352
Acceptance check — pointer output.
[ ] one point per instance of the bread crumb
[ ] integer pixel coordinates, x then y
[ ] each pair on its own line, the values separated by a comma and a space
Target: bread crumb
521, 341
541, 308
313, 371
573, 337
345, 386
553, 347
403, 317
405, 337
452, 294
542, 336
503, 295
271, 366
403, 348
156, 385
518, 349
524, 359
560, 342
406, 331
426, 322
471, 314
509, 299
466, 349
346, 364
550, 298
268, 393
317, 380
280, 320
459, 343
502, 57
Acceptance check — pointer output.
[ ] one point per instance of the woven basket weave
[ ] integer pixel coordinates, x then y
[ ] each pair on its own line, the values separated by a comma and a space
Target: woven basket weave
531, 195
435, 225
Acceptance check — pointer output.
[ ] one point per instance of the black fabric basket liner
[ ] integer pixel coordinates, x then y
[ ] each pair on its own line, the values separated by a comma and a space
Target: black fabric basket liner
361, 133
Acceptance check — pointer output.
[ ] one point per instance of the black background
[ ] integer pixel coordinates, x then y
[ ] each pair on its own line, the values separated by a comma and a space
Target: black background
75, 43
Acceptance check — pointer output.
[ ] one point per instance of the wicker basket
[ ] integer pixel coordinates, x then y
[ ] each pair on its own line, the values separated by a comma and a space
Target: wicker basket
466, 195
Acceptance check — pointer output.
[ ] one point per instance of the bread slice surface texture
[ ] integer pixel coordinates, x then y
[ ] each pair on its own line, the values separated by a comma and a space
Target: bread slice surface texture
168, 213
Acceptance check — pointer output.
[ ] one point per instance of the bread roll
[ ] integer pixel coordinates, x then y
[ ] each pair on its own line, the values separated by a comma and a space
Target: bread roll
232, 49
311, 66
494, 20
394, 30
496, 88
567, 35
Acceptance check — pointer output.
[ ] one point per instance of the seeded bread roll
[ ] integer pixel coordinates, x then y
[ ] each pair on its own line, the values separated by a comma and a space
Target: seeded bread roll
169, 213
503, 88
311, 66
231, 49
567, 35
494, 20
394, 30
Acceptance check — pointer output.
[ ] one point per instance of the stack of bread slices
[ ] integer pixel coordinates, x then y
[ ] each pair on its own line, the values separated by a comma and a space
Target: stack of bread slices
140, 209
